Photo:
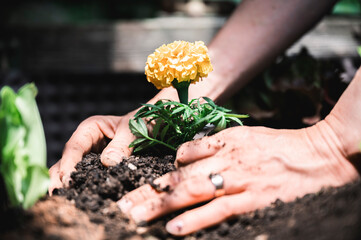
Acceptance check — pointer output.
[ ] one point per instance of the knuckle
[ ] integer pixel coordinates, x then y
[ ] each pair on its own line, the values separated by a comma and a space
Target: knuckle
185, 172
90, 123
179, 162
148, 192
87, 130
180, 158
72, 146
118, 142
175, 177
94, 118
156, 206
193, 188
227, 208
216, 143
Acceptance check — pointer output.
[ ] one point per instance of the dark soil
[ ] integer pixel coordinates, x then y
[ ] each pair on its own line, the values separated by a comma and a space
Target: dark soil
93, 184
88, 210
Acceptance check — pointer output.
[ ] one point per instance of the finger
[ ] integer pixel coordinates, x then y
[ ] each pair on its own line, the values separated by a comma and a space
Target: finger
89, 134
170, 180
54, 178
135, 197
199, 149
119, 146
212, 213
79, 144
187, 193
146, 192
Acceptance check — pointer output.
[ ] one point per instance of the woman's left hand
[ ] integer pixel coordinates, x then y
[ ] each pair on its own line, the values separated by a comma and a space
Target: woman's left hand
258, 166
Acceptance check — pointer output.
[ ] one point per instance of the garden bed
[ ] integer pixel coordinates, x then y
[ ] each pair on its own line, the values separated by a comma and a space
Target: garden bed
294, 93
88, 210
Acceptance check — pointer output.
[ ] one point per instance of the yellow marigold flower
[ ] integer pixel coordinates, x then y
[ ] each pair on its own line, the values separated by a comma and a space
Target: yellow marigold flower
179, 60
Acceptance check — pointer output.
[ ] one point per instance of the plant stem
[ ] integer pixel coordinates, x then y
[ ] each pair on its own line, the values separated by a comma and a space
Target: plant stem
163, 143
182, 90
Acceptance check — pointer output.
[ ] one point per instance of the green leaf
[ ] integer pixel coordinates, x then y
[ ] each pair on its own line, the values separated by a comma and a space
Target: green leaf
187, 113
156, 128
204, 119
178, 122
169, 141
215, 118
225, 110
138, 127
199, 106
151, 106
236, 120
213, 105
143, 146
221, 124
137, 142
210, 102
164, 132
170, 102
141, 111
237, 115
180, 109
145, 112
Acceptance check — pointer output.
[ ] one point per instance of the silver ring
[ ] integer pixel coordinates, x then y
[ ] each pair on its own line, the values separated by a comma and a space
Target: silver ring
217, 181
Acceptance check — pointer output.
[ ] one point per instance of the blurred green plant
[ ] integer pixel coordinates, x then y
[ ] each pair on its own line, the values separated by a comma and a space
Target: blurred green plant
23, 147
348, 7
286, 95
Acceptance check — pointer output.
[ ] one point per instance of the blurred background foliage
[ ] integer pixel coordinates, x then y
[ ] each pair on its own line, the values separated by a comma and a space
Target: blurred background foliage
347, 7
295, 91
35, 12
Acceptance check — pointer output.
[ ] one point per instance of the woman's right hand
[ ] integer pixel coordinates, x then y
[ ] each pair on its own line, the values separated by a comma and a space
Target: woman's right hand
91, 135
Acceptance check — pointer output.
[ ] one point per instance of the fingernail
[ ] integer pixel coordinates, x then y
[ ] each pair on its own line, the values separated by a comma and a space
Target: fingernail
111, 158
125, 205
174, 227
138, 213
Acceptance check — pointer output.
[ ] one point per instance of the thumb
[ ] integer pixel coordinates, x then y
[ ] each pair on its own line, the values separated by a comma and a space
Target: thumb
118, 146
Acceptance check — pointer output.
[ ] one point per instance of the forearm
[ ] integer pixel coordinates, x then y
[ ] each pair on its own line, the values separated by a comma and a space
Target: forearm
256, 33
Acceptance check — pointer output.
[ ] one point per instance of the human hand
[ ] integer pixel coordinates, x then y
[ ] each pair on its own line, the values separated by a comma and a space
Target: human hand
258, 165
91, 135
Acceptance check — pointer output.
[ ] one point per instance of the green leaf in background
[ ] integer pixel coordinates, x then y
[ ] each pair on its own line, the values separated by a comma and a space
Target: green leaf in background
23, 147
347, 7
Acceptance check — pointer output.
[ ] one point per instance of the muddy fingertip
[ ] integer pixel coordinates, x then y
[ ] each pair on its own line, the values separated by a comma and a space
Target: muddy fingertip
112, 158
